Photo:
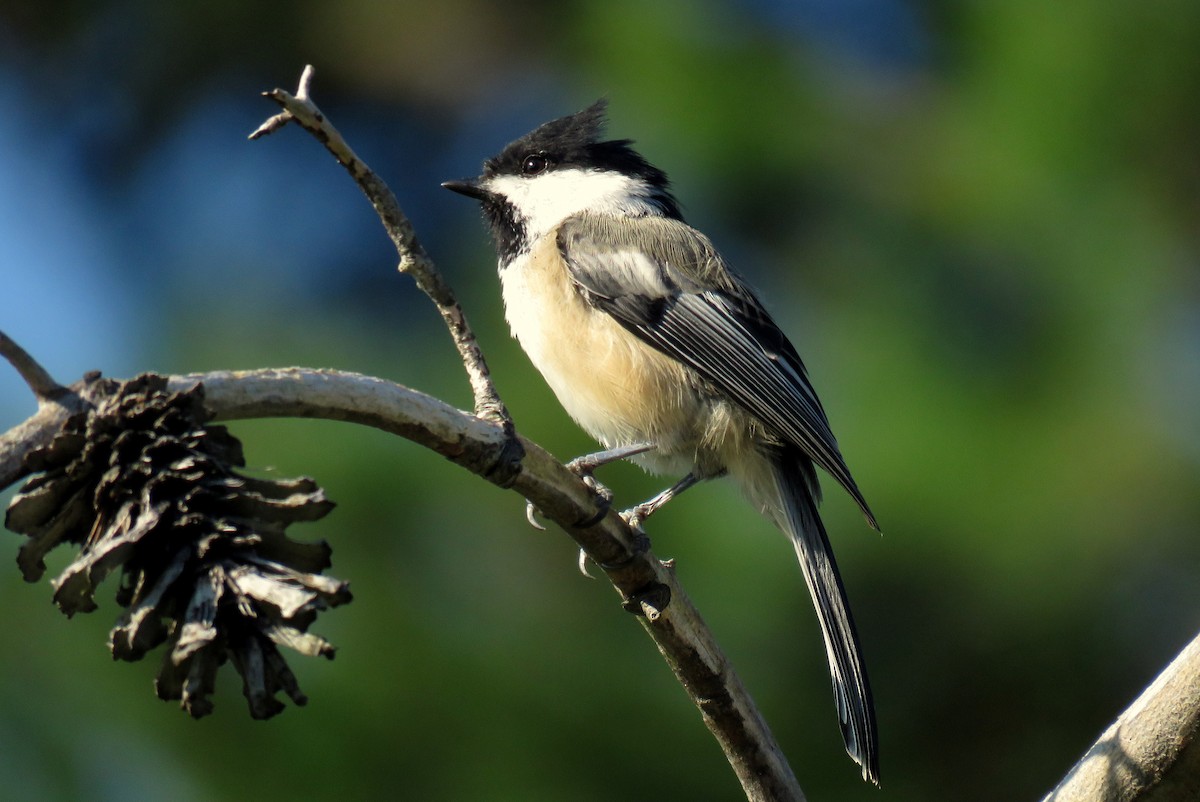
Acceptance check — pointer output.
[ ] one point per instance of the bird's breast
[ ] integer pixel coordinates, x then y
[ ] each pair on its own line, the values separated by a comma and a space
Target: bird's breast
619, 389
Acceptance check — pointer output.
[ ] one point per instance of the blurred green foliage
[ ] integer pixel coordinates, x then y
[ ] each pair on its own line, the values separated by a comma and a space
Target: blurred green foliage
980, 227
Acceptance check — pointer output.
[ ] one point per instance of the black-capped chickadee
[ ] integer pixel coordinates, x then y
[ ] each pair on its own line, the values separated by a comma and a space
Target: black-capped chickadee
662, 353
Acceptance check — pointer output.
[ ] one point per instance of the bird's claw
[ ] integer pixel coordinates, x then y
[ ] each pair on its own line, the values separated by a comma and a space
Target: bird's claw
531, 514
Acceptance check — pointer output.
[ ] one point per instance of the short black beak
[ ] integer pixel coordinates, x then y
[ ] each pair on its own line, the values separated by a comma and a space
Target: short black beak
469, 187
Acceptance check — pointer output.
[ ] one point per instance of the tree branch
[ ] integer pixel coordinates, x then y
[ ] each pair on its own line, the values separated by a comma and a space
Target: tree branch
413, 258
646, 585
43, 385
1150, 752
34, 433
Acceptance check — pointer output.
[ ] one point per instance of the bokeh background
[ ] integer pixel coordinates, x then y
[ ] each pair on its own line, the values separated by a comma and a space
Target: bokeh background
979, 222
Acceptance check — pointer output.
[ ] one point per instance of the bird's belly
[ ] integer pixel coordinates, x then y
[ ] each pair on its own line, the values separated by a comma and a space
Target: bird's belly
620, 390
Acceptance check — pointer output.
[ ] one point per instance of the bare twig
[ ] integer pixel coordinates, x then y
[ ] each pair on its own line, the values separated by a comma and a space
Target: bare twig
39, 380
413, 258
273, 124
1150, 752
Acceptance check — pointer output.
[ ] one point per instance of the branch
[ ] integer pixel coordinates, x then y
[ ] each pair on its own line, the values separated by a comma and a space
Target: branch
413, 258
44, 387
645, 584
1150, 752
37, 431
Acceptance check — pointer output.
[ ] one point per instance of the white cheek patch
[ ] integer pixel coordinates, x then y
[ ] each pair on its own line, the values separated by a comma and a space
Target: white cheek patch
546, 200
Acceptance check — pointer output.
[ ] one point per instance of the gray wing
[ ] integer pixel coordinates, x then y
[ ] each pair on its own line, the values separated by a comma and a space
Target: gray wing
663, 281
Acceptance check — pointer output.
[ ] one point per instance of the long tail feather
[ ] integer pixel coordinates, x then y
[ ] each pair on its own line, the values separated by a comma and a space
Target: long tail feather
795, 481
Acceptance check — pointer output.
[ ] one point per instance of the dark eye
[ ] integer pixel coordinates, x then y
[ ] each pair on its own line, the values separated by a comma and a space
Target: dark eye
534, 163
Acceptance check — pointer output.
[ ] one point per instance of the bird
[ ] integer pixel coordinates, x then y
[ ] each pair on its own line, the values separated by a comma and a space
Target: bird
666, 356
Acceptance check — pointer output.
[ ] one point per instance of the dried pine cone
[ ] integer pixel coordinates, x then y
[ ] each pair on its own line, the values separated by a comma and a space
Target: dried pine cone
144, 487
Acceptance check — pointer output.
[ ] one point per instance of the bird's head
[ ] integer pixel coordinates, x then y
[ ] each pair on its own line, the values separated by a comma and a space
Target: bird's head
560, 169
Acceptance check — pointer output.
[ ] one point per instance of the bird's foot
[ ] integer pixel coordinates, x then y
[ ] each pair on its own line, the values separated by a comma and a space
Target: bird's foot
582, 467
636, 516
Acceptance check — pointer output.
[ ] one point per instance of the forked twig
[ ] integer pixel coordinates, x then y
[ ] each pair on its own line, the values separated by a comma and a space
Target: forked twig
414, 260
